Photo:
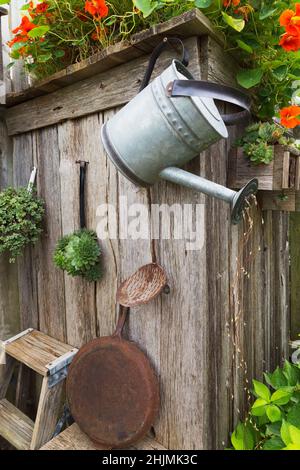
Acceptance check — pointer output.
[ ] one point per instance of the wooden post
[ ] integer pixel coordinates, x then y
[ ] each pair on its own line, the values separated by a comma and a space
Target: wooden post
295, 274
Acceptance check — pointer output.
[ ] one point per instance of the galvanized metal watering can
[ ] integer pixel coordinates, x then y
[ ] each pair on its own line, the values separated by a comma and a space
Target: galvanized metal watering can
169, 123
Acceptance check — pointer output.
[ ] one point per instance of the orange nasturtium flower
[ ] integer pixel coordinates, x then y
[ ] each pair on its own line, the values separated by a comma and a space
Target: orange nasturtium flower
228, 3
97, 8
25, 26
291, 20
290, 116
289, 42
16, 39
39, 9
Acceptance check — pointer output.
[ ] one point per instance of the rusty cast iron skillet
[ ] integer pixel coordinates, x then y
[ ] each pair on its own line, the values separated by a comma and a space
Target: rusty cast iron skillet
112, 389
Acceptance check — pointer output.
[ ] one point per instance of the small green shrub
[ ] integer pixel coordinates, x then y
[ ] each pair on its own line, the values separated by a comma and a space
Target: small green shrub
258, 140
274, 419
21, 215
79, 255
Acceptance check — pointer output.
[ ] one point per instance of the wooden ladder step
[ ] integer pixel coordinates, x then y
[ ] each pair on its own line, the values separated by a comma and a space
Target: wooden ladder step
36, 350
74, 439
15, 427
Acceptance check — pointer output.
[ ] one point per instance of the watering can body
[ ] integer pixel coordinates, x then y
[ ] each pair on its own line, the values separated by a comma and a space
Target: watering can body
169, 123
153, 131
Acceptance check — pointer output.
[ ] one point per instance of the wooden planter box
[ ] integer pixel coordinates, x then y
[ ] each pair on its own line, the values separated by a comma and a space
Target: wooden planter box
279, 182
285, 200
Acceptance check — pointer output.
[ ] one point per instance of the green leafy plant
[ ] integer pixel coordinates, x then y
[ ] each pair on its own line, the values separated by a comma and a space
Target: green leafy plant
259, 139
274, 418
57, 33
21, 215
79, 255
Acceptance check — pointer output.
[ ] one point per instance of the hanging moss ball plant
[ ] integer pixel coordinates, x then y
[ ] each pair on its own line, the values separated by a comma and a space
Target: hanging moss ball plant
79, 255
21, 215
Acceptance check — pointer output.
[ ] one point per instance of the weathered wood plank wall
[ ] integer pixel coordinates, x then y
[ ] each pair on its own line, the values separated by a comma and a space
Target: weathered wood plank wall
9, 297
218, 328
295, 275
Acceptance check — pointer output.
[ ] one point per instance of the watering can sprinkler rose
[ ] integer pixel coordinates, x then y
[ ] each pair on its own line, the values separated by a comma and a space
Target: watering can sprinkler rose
169, 123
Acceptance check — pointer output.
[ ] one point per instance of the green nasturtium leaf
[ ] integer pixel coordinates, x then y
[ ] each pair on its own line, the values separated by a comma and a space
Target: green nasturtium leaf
280, 72
293, 416
242, 438
273, 413
244, 46
276, 379
285, 434
259, 407
266, 12
275, 443
236, 23
281, 397
145, 6
292, 447
59, 53
261, 390
203, 3
290, 435
291, 373
249, 78
44, 57
38, 32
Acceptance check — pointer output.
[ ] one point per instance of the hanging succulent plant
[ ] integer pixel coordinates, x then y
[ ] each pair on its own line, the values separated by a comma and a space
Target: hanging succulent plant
79, 255
21, 215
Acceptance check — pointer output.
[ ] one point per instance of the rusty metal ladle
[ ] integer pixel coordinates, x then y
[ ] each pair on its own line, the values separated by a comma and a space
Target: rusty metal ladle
112, 389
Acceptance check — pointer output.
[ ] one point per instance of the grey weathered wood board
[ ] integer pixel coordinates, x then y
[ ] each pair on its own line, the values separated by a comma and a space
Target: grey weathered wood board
218, 328
191, 23
100, 92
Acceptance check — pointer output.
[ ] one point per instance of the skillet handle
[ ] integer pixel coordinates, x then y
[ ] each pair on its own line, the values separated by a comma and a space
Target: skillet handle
121, 322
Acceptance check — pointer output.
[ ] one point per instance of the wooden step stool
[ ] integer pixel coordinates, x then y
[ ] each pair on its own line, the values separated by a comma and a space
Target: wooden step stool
48, 357
74, 439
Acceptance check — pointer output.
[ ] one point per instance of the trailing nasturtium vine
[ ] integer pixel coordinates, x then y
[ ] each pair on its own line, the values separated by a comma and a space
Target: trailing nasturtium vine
263, 34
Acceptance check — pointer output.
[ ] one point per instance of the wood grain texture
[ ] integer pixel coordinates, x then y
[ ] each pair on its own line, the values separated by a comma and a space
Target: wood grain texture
295, 275
102, 188
50, 280
191, 23
281, 173
6, 373
3, 12
286, 200
47, 414
218, 328
15, 427
9, 292
37, 350
74, 439
73, 142
100, 92
23, 161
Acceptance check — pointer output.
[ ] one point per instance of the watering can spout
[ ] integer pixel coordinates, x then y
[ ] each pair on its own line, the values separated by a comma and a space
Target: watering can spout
238, 200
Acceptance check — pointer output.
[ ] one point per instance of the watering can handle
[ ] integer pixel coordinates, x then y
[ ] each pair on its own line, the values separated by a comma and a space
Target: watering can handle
156, 53
216, 91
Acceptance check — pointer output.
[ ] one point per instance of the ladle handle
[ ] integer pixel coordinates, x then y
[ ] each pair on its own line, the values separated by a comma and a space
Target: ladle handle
121, 322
